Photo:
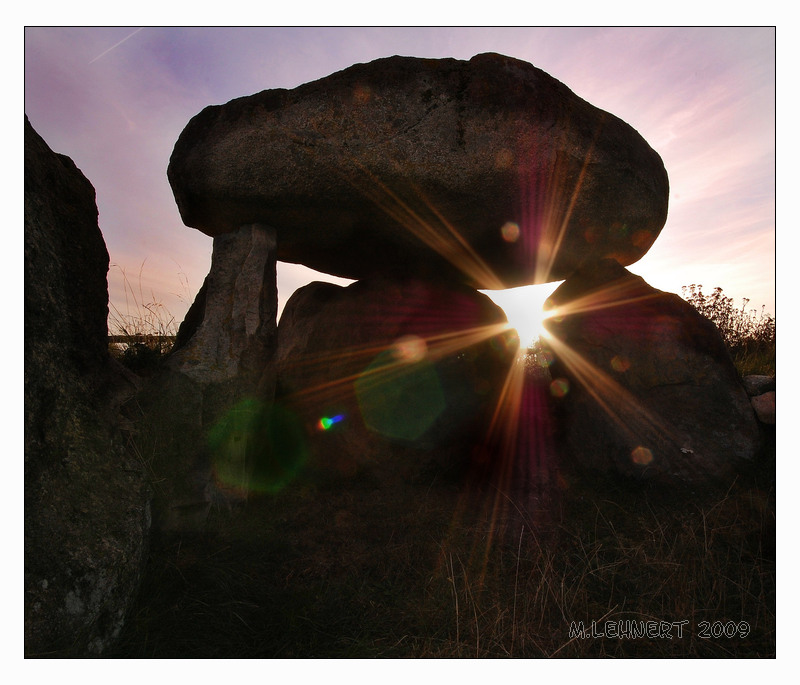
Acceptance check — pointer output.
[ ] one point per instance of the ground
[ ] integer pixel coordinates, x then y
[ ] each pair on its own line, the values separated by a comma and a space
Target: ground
434, 569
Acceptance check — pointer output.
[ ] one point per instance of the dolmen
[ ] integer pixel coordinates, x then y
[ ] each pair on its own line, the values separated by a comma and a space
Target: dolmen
425, 181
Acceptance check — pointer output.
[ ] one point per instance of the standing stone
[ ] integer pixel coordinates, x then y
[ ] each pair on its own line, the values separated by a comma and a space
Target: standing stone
396, 378
87, 514
488, 170
239, 303
646, 385
200, 410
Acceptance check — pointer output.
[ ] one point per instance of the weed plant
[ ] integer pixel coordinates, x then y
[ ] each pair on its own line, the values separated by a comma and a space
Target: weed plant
749, 334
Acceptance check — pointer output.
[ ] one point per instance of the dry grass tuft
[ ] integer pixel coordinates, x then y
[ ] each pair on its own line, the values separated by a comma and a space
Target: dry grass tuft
144, 332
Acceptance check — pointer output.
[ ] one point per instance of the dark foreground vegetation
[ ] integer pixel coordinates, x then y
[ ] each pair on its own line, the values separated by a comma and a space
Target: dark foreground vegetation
749, 334
566, 568
434, 571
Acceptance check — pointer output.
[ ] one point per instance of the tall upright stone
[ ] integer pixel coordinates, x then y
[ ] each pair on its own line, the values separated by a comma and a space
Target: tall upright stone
200, 409
87, 509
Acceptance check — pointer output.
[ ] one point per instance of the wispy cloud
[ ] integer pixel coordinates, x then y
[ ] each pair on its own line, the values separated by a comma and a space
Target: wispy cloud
116, 45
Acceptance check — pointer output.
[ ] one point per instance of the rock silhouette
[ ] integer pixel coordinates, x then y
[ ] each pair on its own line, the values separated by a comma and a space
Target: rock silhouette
646, 385
489, 170
394, 378
87, 503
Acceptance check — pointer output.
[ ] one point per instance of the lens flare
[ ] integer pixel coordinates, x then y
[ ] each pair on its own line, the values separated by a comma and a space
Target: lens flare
620, 364
399, 399
642, 456
327, 422
510, 232
257, 446
559, 387
410, 349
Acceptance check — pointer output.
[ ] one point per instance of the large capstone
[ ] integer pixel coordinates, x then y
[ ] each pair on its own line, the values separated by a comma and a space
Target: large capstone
489, 170
645, 384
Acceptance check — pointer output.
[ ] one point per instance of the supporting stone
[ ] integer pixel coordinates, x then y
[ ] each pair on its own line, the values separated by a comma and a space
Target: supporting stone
646, 386
397, 380
200, 410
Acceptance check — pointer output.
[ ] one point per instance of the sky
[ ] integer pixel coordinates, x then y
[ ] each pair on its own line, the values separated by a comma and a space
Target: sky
115, 100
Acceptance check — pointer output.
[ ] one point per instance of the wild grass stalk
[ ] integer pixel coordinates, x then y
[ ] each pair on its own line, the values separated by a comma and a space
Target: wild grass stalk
145, 331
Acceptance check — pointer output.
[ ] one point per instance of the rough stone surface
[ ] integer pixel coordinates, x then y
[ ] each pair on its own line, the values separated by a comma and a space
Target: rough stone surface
219, 370
764, 406
757, 385
86, 500
489, 169
398, 379
235, 334
647, 387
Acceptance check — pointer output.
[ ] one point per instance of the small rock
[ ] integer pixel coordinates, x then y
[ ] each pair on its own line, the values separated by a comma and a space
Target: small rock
764, 406
756, 385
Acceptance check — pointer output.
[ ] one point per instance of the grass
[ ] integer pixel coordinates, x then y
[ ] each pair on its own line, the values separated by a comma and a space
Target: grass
332, 573
438, 570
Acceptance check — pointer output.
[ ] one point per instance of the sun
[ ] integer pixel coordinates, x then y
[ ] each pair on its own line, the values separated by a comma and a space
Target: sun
524, 307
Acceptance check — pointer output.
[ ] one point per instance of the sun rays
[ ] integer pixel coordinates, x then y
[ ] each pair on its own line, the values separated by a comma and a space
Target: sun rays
387, 382
399, 354
525, 309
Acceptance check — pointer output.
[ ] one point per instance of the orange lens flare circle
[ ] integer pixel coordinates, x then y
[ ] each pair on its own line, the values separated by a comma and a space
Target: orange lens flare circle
559, 387
510, 231
410, 349
642, 456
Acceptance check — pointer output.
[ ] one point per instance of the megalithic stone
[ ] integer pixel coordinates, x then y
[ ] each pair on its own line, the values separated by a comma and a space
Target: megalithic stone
235, 335
489, 170
395, 378
644, 384
201, 408
87, 497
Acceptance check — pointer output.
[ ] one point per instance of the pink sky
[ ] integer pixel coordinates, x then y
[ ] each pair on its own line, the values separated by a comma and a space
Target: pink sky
116, 99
